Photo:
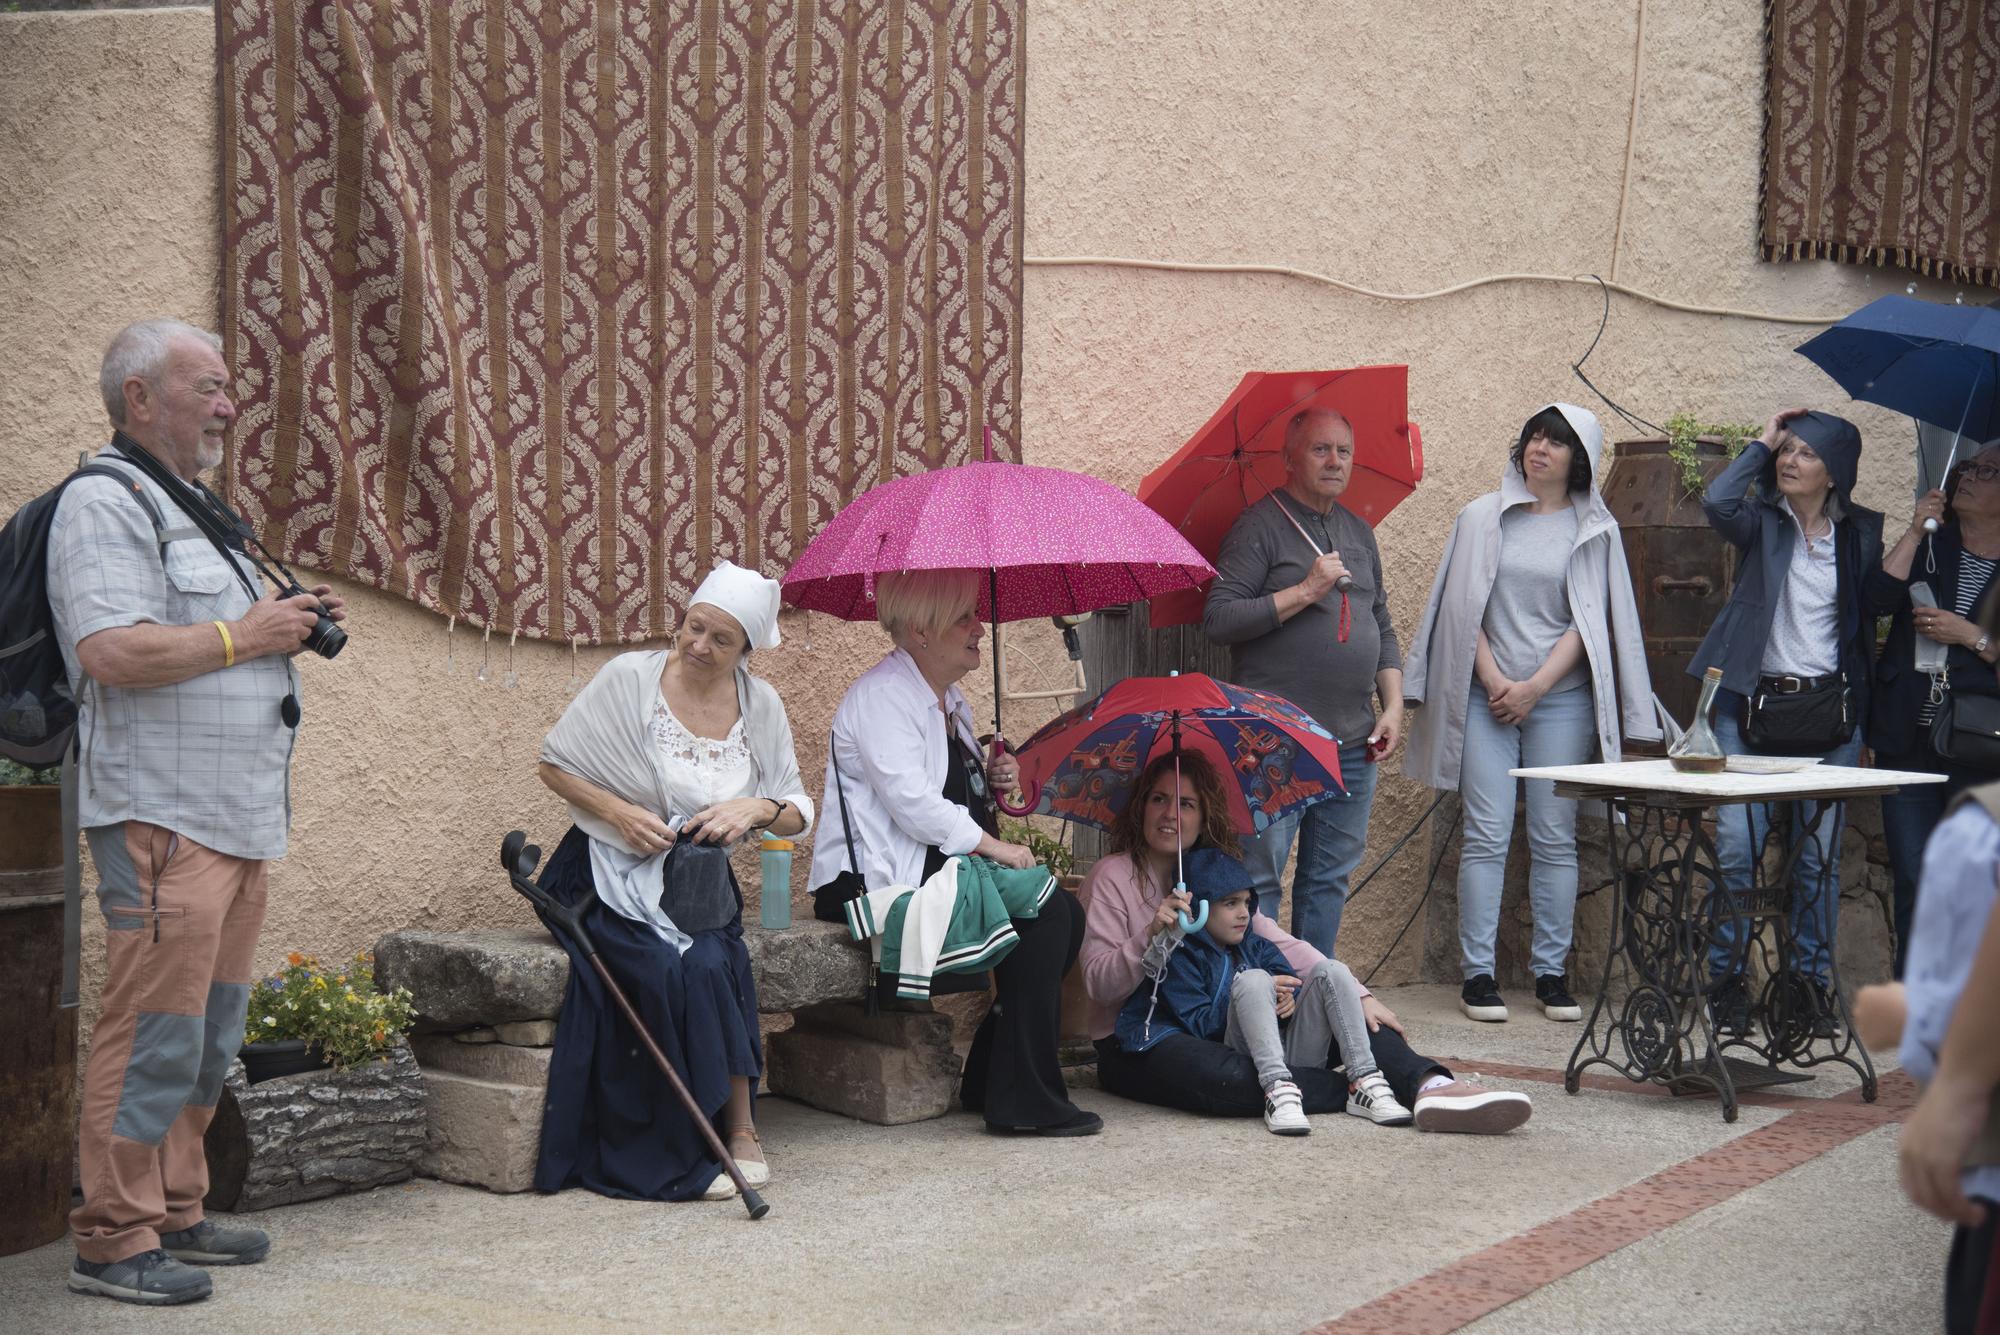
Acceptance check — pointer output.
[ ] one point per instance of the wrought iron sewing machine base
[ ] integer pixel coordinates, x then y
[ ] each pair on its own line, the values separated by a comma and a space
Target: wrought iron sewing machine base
1673, 922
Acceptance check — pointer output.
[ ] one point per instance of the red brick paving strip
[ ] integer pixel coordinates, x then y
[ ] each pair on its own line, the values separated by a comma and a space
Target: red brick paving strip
1462, 1292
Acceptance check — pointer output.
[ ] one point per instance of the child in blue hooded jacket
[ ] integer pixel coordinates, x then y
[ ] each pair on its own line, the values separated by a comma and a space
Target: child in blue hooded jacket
1224, 984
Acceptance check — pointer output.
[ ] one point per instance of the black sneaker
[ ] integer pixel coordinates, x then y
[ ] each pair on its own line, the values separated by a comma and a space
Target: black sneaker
1480, 999
1552, 991
1078, 1123
152, 1278
1730, 1006
1826, 1012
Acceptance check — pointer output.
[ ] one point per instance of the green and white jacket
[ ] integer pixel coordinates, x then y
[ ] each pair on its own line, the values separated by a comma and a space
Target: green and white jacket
955, 922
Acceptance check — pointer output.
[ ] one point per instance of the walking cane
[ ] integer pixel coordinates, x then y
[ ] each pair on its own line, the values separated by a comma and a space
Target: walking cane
520, 858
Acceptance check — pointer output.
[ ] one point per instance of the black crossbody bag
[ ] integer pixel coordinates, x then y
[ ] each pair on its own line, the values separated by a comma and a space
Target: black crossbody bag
1966, 730
1799, 723
830, 901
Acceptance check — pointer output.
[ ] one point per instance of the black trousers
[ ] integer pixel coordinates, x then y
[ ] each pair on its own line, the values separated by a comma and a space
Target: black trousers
1200, 1075
1012, 1074
1969, 1275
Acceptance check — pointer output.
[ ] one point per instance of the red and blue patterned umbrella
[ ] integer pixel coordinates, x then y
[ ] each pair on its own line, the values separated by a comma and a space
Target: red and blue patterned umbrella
1084, 765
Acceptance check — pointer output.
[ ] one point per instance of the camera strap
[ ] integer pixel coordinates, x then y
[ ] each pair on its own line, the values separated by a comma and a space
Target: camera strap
190, 500
208, 514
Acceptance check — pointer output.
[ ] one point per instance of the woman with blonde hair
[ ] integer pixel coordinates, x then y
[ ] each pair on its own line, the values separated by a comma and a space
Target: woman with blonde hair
906, 790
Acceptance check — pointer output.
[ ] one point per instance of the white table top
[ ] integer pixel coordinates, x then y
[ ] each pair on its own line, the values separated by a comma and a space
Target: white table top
1660, 776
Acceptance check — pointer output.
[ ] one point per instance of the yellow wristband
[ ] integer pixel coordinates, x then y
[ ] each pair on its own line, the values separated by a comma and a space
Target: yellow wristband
228, 646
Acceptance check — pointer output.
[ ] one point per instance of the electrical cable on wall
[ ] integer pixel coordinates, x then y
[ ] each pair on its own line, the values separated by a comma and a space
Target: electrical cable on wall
1287, 271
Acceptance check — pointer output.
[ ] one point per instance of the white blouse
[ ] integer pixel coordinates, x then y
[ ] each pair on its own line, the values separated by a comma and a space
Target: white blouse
701, 771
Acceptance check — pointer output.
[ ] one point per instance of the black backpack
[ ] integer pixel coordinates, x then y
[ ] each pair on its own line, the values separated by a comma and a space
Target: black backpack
37, 711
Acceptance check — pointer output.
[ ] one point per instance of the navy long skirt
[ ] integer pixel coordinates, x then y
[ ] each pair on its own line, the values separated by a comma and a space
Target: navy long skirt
611, 1122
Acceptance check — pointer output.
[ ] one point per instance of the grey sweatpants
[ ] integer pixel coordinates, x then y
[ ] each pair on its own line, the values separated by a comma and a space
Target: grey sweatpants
1328, 1011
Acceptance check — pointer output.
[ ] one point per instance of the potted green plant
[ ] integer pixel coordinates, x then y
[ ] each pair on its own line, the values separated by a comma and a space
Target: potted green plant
308, 1015
1686, 434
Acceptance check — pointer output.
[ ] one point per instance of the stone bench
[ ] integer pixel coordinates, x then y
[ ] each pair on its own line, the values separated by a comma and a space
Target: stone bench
487, 1002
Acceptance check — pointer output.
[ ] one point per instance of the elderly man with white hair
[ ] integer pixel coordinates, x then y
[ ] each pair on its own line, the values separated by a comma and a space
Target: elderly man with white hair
1293, 631
188, 705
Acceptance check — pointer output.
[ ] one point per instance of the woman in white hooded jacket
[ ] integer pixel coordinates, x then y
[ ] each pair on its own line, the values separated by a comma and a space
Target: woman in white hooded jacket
1529, 654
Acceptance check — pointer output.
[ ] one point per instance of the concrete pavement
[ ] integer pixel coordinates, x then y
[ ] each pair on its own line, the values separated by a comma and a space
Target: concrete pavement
1609, 1211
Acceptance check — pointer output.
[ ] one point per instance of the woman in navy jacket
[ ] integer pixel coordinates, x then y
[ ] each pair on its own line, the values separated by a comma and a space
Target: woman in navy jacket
1793, 623
1958, 562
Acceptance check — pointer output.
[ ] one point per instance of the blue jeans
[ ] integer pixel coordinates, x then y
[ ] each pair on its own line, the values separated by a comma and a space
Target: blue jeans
1561, 730
1740, 831
1332, 835
1908, 817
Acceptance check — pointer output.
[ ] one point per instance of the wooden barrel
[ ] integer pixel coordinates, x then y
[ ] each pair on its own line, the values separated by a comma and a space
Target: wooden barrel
1682, 570
37, 1037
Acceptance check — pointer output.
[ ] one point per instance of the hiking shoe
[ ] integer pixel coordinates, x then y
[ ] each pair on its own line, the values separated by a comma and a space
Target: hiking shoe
1729, 1007
1552, 991
210, 1243
1469, 1110
1285, 1110
1371, 1097
152, 1278
1480, 999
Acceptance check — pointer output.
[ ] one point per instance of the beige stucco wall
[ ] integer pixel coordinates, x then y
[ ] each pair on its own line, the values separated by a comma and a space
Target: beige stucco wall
1404, 154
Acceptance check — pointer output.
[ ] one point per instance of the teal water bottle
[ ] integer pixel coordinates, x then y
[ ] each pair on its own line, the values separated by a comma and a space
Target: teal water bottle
777, 881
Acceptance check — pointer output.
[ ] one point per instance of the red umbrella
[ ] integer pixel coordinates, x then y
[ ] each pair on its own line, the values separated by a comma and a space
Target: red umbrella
1238, 457
1277, 760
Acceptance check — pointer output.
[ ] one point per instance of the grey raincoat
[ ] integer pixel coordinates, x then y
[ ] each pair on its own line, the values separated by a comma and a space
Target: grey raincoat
1438, 670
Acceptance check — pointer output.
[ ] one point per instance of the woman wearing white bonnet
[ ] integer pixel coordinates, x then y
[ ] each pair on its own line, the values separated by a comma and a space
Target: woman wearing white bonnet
666, 758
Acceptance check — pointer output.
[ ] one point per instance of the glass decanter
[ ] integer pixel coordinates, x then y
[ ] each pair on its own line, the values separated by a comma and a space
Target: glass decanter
1697, 751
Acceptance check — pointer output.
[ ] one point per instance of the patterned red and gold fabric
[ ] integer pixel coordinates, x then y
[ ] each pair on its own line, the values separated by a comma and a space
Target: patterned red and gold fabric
1882, 135
539, 309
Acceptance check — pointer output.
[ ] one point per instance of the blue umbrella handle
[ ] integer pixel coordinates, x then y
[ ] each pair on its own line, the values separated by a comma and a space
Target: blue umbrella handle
1196, 923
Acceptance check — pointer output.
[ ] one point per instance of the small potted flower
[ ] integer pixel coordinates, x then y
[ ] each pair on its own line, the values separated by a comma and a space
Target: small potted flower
307, 1016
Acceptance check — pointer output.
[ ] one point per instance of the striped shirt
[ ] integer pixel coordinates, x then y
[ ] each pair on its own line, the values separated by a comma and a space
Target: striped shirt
1974, 572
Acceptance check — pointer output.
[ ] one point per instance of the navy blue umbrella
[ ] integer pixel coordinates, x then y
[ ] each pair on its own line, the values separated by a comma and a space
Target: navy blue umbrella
1939, 364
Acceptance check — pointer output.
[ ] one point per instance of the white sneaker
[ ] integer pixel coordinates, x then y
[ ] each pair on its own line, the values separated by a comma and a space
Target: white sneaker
1464, 1107
1372, 1098
1284, 1110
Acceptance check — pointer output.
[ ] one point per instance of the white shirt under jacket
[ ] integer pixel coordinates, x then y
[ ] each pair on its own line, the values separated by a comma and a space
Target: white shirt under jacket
889, 741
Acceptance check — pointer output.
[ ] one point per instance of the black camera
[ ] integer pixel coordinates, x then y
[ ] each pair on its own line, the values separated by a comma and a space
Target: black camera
327, 638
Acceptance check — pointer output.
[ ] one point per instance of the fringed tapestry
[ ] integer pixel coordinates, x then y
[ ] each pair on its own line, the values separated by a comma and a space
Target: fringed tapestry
539, 309
1882, 134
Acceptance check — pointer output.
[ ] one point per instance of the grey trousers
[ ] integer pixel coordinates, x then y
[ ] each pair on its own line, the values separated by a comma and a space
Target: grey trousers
1328, 1012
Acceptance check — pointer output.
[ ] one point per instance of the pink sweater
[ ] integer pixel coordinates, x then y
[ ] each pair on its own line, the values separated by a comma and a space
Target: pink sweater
1114, 937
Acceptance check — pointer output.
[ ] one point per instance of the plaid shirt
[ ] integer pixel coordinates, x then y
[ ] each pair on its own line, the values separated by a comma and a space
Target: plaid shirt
208, 758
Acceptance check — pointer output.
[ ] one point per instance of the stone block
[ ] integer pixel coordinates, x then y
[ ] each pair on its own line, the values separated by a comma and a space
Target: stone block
527, 1033
484, 1133
318, 1133
805, 964
1864, 941
504, 1063
465, 978
887, 1069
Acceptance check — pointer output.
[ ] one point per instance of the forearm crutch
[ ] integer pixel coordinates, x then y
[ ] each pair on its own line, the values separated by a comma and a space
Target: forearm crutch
520, 858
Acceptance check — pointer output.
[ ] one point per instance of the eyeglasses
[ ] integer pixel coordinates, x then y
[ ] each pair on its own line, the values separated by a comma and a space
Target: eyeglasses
1984, 472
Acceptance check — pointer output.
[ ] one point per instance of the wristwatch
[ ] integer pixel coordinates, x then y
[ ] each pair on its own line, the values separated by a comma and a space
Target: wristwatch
1985, 643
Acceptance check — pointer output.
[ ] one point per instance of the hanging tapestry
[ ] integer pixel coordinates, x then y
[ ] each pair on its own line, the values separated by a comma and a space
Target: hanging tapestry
1882, 135
537, 310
